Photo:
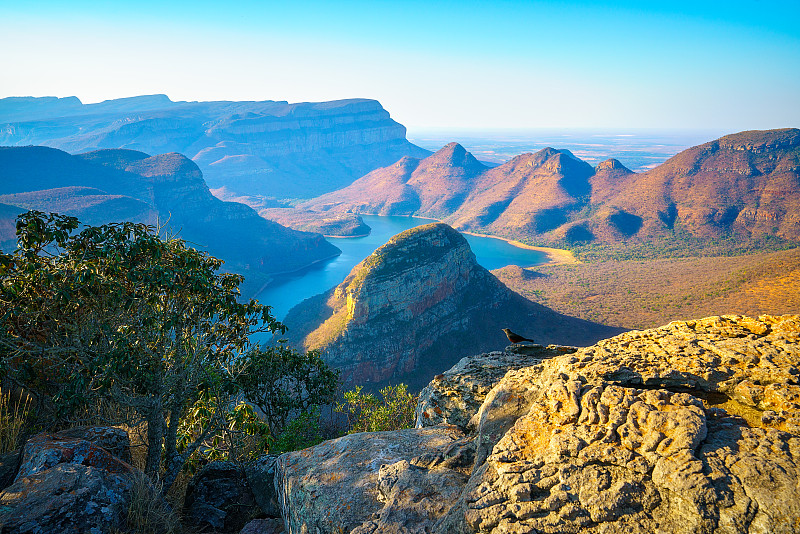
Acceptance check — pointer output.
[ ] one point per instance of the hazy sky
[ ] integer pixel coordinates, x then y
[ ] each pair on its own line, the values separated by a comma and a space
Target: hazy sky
470, 64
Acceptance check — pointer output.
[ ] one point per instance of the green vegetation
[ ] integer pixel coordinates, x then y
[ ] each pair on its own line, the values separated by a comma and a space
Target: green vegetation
680, 245
283, 383
117, 315
366, 412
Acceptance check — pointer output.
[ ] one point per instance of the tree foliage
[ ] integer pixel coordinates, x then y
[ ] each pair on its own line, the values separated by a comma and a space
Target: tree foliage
284, 383
366, 412
117, 311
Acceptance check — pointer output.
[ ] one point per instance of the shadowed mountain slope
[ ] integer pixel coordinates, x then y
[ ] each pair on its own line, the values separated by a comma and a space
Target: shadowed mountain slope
747, 183
416, 306
113, 185
268, 148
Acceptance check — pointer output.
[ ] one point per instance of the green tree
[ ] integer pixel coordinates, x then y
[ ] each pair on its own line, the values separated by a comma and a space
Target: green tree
284, 383
117, 312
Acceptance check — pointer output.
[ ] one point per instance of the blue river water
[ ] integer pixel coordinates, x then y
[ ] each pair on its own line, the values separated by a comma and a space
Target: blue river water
288, 290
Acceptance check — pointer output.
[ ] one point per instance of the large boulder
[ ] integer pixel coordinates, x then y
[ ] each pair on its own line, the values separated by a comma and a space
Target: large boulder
357, 481
263, 526
691, 427
86, 446
219, 498
260, 474
9, 464
69, 482
454, 396
65, 499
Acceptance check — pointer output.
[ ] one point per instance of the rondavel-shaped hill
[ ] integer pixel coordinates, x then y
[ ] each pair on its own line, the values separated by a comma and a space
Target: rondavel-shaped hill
416, 306
273, 149
746, 184
531, 194
435, 186
113, 185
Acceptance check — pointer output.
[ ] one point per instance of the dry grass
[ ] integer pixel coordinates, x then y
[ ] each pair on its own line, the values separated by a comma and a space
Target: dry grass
13, 420
649, 293
148, 512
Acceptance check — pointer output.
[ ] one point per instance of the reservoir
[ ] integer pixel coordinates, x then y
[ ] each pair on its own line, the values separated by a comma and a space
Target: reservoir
288, 290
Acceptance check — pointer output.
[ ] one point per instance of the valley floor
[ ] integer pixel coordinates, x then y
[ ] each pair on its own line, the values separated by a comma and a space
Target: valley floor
646, 294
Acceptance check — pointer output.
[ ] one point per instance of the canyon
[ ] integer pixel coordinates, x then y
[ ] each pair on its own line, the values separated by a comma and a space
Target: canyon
116, 185
416, 306
271, 149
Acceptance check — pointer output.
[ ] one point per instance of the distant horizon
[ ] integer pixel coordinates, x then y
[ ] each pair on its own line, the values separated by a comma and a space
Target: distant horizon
730, 65
439, 129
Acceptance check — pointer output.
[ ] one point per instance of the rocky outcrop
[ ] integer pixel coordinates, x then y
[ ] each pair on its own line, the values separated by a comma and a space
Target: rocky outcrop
687, 428
68, 498
219, 498
270, 148
417, 305
260, 475
114, 185
103, 448
454, 396
369, 482
73, 481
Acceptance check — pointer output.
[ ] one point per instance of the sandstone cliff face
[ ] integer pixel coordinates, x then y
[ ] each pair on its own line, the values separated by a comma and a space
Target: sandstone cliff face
688, 428
417, 305
166, 188
268, 148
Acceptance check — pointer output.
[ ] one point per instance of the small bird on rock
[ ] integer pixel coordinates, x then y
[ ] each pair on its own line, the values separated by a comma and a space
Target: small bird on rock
515, 338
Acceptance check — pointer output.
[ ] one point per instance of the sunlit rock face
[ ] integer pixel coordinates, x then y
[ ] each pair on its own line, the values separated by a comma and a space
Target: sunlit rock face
692, 427
416, 306
268, 148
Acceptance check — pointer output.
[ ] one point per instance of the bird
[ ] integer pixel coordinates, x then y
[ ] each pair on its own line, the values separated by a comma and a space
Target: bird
515, 338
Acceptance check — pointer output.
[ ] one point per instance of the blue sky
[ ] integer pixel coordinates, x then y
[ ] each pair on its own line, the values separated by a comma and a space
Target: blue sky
469, 64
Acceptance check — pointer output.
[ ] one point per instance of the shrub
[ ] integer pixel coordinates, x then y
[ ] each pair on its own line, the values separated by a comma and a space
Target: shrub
366, 412
300, 433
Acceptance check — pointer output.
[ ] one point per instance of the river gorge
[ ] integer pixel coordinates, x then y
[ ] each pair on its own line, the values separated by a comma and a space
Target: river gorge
288, 290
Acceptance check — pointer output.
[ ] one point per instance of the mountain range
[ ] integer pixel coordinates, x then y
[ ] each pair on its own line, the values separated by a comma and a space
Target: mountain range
167, 189
270, 149
745, 184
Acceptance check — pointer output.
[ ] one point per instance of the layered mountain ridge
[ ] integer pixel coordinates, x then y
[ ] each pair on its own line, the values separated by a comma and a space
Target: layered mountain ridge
417, 305
268, 148
113, 185
745, 184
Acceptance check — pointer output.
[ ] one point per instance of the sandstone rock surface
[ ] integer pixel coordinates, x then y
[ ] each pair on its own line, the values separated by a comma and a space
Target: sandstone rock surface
355, 483
654, 431
454, 396
67, 498
100, 447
